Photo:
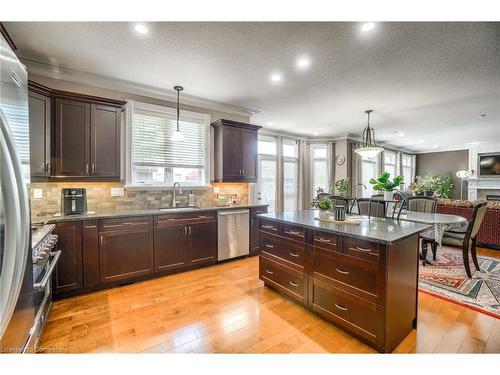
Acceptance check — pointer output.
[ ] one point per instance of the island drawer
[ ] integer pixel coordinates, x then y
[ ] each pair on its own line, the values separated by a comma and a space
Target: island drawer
294, 232
328, 241
282, 248
359, 277
358, 316
284, 279
361, 249
122, 223
271, 226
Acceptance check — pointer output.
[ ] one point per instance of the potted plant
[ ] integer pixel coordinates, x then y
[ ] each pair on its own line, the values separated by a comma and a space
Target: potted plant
342, 187
384, 183
428, 184
444, 186
324, 205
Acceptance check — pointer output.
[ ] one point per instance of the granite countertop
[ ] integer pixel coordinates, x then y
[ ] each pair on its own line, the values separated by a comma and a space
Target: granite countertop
382, 230
126, 213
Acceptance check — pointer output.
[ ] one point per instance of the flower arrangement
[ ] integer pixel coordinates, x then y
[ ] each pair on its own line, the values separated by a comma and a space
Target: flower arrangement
324, 204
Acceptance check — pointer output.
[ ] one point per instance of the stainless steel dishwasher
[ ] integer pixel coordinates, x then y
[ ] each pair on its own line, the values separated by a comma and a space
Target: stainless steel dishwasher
233, 233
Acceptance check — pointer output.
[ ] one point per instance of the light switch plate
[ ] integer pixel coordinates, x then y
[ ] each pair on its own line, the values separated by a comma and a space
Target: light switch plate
216, 190
37, 193
117, 192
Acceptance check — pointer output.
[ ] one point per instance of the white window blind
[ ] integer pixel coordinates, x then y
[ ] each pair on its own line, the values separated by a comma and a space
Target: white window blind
156, 160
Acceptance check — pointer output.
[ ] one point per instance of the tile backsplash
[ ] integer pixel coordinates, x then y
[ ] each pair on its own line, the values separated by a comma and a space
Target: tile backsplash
99, 197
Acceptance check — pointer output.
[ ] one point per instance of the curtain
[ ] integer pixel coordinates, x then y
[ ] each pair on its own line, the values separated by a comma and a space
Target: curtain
302, 190
330, 163
413, 167
279, 174
356, 187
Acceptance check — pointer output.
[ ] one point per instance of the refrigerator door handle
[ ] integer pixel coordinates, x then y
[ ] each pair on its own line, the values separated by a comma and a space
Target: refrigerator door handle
16, 246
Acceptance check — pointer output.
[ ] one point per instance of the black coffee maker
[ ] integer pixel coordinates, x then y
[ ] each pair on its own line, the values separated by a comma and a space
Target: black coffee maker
73, 201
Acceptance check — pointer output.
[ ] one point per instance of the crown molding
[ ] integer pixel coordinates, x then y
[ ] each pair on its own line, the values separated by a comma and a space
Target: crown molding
67, 74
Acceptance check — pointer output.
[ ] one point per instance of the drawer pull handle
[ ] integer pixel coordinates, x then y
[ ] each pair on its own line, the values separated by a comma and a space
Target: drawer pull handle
204, 217
269, 227
324, 240
269, 272
90, 226
340, 307
363, 249
343, 272
293, 284
112, 225
294, 232
269, 246
295, 255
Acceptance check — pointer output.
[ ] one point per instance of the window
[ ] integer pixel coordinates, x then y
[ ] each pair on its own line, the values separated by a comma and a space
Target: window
369, 170
267, 171
407, 165
390, 164
155, 160
290, 174
319, 169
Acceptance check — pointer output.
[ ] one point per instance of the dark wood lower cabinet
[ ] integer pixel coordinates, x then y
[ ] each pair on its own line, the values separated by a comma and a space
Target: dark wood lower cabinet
68, 274
201, 243
90, 253
170, 248
254, 229
125, 254
366, 288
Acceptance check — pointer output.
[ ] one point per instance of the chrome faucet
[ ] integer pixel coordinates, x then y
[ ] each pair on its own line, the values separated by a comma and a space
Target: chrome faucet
174, 201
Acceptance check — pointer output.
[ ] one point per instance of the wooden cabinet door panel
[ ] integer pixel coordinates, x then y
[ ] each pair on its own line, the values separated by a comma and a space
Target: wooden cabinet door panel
72, 135
39, 120
248, 154
68, 273
125, 254
105, 141
254, 229
170, 248
90, 253
201, 249
232, 168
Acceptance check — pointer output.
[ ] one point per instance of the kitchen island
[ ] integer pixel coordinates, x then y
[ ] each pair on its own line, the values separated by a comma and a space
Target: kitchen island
361, 277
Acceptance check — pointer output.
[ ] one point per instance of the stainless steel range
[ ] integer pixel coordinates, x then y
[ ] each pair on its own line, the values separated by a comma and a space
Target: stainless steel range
45, 258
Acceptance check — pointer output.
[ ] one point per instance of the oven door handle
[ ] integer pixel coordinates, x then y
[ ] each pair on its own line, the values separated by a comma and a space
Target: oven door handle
43, 284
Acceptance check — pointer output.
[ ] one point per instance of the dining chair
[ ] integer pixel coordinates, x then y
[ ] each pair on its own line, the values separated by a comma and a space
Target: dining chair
421, 204
399, 204
370, 207
338, 200
467, 239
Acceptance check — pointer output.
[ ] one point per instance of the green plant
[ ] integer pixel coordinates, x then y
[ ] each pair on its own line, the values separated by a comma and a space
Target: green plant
383, 182
342, 186
428, 182
444, 185
324, 204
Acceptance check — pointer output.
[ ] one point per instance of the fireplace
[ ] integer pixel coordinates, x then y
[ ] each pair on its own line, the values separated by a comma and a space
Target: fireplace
493, 197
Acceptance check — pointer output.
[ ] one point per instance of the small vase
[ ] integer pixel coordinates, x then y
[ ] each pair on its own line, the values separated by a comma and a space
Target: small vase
388, 195
324, 214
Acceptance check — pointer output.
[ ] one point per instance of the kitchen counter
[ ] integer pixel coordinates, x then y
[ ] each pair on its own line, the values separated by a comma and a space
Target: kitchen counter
381, 230
129, 213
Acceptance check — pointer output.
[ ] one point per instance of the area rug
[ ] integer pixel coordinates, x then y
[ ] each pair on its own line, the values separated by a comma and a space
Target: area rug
446, 278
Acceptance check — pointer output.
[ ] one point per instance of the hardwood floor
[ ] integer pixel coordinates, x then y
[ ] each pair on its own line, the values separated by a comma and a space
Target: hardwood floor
226, 309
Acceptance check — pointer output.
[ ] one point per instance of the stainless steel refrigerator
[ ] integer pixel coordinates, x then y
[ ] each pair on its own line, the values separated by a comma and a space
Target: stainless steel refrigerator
16, 274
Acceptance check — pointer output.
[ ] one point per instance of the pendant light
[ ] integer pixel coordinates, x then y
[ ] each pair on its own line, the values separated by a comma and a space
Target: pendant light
369, 148
177, 136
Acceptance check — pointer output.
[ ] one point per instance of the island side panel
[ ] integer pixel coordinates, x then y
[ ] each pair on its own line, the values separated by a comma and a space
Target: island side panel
402, 290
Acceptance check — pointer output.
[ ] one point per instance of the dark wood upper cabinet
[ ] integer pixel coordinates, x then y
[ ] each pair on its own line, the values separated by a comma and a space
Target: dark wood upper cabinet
235, 151
105, 141
68, 273
74, 137
40, 110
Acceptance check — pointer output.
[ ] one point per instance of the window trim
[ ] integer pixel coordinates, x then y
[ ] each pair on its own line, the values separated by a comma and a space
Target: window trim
129, 108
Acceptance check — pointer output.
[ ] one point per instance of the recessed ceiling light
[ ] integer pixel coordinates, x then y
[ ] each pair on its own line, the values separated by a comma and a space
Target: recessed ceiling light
141, 29
276, 77
420, 141
270, 123
435, 146
303, 63
315, 134
401, 134
367, 26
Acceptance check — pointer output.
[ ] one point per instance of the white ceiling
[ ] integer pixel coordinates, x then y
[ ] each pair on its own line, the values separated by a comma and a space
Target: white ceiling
430, 81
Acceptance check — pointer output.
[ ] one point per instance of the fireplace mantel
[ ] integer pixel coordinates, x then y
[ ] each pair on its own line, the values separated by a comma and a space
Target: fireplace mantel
475, 184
